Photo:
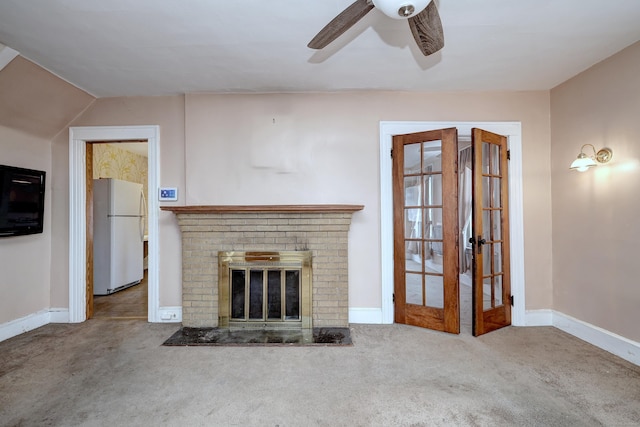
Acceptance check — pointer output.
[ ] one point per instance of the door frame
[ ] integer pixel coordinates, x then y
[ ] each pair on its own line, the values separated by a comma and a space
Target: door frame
78, 137
513, 131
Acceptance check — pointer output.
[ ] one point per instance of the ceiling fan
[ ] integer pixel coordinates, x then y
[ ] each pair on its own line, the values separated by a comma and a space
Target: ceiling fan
423, 18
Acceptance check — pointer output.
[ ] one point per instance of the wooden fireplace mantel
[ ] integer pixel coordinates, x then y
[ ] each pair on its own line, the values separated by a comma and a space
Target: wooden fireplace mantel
208, 209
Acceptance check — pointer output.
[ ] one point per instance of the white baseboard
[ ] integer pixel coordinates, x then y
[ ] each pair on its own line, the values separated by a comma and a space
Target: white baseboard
365, 315
538, 318
59, 315
613, 343
24, 324
170, 314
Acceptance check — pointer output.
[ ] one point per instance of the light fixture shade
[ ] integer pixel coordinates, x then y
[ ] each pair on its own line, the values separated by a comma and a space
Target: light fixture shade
582, 163
391, 8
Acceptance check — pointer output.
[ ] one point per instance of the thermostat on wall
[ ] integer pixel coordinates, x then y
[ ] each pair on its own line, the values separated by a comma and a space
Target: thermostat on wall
168, 194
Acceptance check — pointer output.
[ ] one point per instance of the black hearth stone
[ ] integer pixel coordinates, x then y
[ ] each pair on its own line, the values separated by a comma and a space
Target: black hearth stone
250, 337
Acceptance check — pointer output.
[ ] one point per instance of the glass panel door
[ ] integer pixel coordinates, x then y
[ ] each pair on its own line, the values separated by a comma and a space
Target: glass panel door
492, 309
423, 223
426, 224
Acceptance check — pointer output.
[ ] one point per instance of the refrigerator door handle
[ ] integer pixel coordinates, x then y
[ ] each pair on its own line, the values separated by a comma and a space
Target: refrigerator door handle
143, 215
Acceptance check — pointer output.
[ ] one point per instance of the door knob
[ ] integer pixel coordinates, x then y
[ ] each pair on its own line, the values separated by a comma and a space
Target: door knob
481, 242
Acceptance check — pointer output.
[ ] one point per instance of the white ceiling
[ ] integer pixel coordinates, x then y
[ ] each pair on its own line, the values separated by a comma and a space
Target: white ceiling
162, 47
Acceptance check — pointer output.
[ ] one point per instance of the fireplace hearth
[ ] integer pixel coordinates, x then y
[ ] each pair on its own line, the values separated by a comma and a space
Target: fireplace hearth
266, 337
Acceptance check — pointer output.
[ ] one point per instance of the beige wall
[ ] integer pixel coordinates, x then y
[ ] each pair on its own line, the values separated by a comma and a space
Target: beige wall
595, 214
302, 148
168, 113
34, 106
25, 261
323, 148
37, 102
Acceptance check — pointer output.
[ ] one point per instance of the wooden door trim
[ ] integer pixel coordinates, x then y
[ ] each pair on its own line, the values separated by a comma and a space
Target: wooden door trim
89, 228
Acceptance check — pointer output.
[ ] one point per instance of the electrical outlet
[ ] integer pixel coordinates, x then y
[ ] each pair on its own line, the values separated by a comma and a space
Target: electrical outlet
169, 315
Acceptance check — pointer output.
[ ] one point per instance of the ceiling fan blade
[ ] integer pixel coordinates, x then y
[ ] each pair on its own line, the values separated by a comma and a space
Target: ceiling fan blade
341, 23
426, 28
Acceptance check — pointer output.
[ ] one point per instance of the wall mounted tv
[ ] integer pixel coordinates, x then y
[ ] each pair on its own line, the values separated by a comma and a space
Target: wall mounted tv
21, 201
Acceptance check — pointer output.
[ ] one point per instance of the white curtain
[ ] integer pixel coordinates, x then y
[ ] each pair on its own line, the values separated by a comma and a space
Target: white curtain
464, 202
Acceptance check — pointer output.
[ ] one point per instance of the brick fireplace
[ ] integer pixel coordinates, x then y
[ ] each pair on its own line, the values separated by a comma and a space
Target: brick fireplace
320, 229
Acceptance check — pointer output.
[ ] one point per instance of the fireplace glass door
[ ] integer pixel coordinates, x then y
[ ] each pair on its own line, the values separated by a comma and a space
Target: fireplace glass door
265, 294
265, 289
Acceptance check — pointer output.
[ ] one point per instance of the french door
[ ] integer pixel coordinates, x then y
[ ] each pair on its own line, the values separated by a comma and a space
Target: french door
491, 273
425, 193
426, 231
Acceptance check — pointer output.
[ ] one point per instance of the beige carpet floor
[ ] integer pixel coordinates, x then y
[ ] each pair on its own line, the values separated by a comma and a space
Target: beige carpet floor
116, 373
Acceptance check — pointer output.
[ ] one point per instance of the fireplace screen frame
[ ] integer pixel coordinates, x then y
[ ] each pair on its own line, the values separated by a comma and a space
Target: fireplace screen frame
264, 261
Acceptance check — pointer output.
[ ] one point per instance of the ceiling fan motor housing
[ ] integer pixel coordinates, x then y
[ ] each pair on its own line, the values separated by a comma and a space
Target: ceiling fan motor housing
401, 9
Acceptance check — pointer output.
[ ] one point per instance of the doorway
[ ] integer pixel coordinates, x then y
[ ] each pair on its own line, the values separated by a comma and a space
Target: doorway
121, 165
429, 175
513, 131
79, 137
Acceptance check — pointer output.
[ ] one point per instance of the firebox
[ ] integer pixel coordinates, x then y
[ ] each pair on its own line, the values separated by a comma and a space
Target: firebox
265, 290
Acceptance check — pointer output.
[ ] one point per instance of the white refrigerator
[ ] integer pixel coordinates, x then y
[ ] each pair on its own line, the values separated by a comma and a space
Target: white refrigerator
119, 212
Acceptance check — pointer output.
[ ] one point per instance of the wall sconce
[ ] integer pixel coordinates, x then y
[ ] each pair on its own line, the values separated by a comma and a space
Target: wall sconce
584, 162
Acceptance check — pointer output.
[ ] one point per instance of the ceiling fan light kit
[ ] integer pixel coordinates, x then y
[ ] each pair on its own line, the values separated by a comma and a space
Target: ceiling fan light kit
422, 15
400, 9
